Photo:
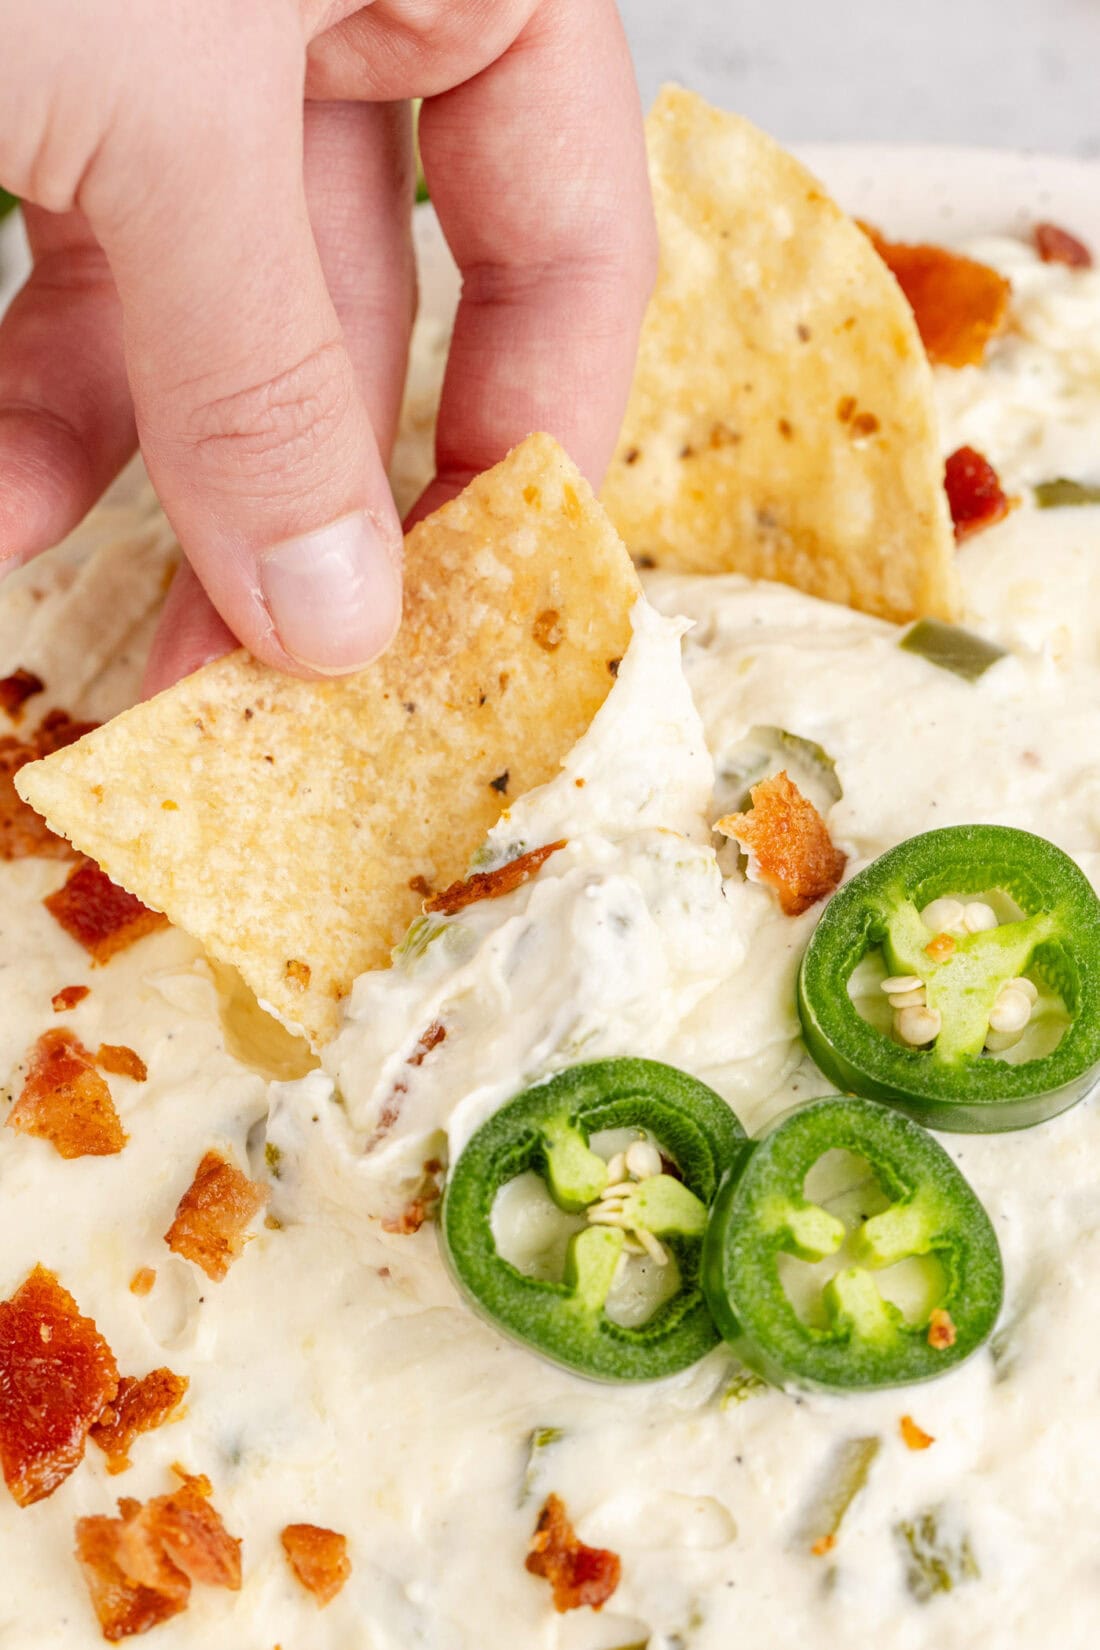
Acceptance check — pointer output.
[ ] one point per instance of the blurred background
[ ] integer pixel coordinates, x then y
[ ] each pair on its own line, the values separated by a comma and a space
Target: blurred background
1021, 74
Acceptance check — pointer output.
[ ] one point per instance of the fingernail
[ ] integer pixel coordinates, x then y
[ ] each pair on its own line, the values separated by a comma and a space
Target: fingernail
334, 596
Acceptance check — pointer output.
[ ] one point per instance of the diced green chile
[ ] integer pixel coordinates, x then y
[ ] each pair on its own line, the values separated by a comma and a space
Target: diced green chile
952, 648
953, 1084
761, 1212
1057, 494
547, 1129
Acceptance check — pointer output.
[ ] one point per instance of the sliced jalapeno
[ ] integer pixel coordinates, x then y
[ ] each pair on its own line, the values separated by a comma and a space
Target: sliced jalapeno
856, 1338
690, 1138
966, 980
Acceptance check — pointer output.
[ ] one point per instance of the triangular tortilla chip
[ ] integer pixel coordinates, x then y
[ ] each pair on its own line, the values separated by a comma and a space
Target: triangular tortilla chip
781, 422
295, 827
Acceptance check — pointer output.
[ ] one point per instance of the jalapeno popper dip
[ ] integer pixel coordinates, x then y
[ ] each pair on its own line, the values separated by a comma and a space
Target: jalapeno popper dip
532, 1285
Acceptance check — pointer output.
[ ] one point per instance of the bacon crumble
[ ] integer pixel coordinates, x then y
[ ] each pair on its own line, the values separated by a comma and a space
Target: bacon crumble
579, 1575
99, 915
56, 1375
65, 1101
24, 834
121, 1061
913, 1436
492, 884
974, 493
142, 1403
16, 689
139, 1567
1057, 246
212, 1215
788, 844
958, 303
318, 1558
68, 997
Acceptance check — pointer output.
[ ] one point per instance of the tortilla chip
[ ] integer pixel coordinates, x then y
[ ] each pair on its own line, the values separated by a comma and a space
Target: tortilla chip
282, 822
781, 422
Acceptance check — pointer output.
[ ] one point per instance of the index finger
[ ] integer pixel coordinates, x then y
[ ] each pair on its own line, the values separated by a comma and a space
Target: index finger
537, 170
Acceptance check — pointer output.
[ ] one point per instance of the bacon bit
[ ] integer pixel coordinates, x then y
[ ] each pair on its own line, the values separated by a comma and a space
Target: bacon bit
915, 1437
941, 1330
422, 1207
121, 1061
942, 947
139, 1566
212, 1215
23, 833
66, 1101
974, 493
143, 1280
124, 1607
432, 1038
140, 1404
16, 689
68, 997
824, 1544
319, 1559
578, 1574
56, 1374
99, 915
788, 844
959, 304
492, 884
1058, 246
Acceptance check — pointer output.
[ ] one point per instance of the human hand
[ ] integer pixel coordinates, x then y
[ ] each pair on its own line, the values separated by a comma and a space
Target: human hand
218, 201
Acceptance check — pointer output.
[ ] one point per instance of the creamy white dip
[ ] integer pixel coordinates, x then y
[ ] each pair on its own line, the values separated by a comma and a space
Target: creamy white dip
337, 1377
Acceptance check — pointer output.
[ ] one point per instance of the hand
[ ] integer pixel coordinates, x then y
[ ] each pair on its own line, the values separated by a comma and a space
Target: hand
218, 198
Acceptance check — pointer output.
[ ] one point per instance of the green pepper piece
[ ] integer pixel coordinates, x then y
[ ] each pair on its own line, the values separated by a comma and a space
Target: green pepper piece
547, 1129
865, 1340
952, 1084
1054, 495
952, 648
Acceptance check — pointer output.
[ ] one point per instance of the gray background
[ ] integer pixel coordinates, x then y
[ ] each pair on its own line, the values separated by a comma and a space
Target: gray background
1019, 74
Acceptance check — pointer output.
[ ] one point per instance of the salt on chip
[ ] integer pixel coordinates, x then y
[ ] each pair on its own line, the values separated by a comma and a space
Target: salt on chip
293, 827
781, 422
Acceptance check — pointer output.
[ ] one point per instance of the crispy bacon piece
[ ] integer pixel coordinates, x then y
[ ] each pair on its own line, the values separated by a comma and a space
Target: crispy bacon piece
56, 1374
139, 1566
125, 1607
99, 915
16, 689
422, 1207
578, 1574
959, 304
68, 997
913, 1436
141, 1403
788, 844
974, 492
65, 1101
212, 1215
1057, 246
121, 1061
24, 833
319, 1559
492, 884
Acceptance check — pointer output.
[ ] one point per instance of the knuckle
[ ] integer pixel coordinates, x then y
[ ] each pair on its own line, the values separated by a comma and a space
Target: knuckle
275, 428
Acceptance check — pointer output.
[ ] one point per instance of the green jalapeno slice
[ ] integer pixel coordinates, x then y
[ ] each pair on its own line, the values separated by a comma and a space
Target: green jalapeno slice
998, 1023
849, 1335
548, 1129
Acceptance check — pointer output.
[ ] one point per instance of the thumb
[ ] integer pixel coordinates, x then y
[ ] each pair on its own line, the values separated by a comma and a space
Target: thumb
249, 417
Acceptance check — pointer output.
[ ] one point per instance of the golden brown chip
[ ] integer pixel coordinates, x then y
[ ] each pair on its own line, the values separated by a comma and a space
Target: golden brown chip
781, 422
319, 1559
303, 810
213, 1214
